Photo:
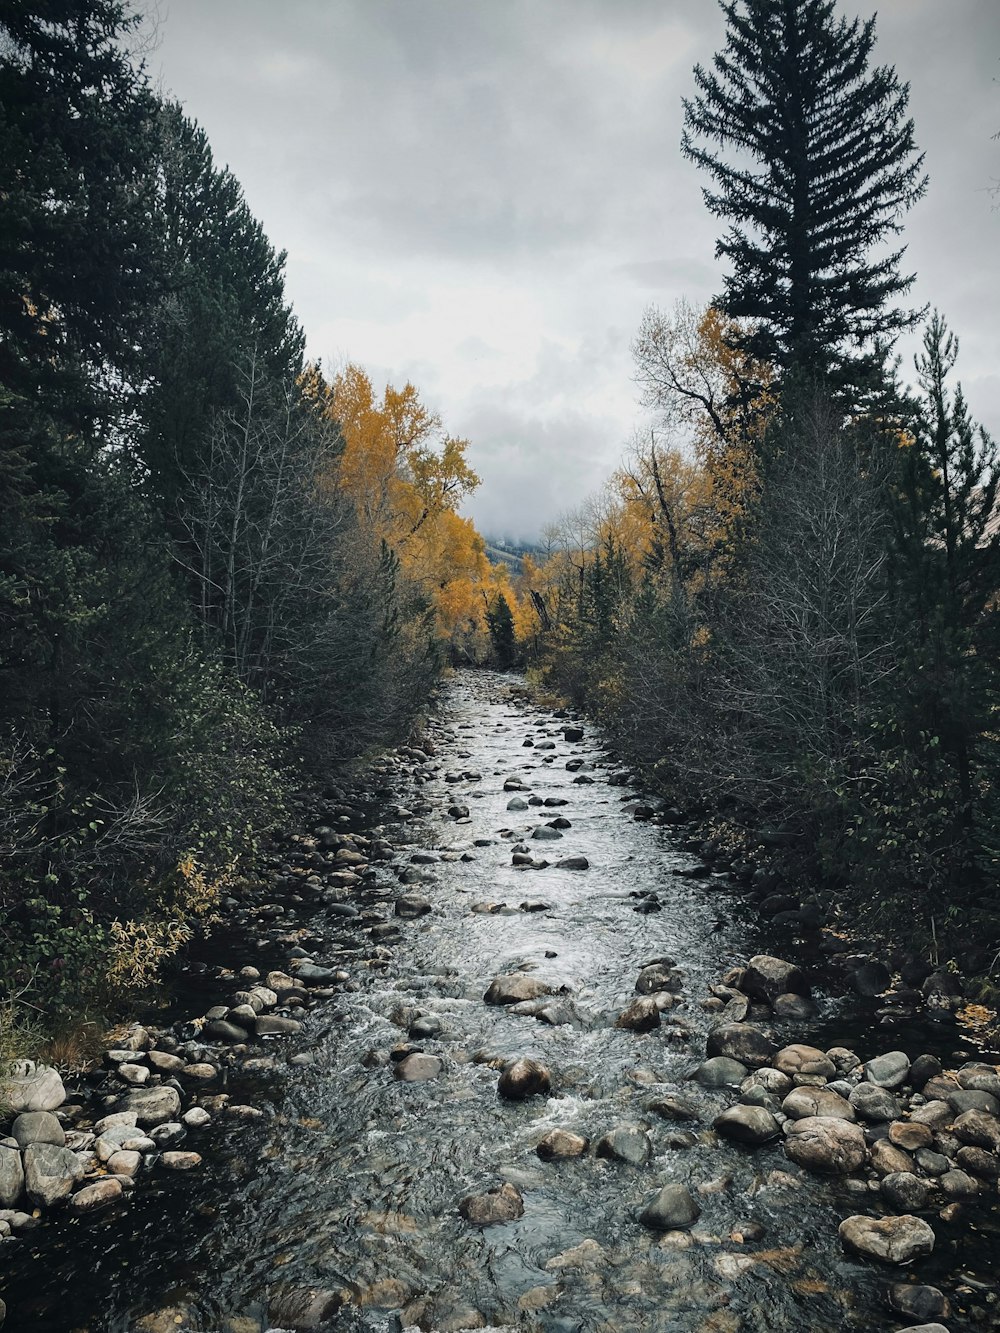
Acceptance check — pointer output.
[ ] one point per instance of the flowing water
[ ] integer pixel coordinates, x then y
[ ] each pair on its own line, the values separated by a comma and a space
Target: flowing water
352, 1179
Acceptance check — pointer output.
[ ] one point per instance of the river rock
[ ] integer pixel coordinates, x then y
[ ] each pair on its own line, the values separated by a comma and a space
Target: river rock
642, 1015
958, 1184
50, 1173
32, 1087
152, 1106
797, 1059
803, 1102
180, 1161
924, 1068
979, 1162
888, 1071
560, 1143
196, 1118
656, 977
826, 1143
871, 977
410, 906
545, 833
417, 1067
742, 1042
673, 1208
493, 1208
970, 1099
918, 1302
721, 1072
979, 1077
11, 1177
303, 1308
514, 988
747, 1124
573, 863
625, 1143
126, 1162
766, 977
517, 803
892, 1240
38, 1127
910, 1135
935, 1114
219, 1029
165, 1063
524, 1078
99, 1195
978, 1128
903, 1191
874, 1104
792, 1006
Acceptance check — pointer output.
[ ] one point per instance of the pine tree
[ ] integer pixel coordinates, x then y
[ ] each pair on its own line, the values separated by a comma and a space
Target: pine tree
500, 622
821, 166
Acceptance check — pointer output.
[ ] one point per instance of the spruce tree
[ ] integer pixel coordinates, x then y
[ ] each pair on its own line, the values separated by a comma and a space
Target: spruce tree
813, 162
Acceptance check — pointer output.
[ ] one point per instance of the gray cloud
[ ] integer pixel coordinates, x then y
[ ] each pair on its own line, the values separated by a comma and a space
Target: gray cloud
483, 197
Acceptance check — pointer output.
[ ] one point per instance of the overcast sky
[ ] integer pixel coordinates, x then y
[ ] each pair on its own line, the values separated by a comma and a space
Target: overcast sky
484, 195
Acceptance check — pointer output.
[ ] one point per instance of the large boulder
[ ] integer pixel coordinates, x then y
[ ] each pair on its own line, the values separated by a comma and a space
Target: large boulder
766, 977
742, 1042
826, 1143
891, 1240
514, 988
32, 1087
671, 1209
50, 1173
38, 1127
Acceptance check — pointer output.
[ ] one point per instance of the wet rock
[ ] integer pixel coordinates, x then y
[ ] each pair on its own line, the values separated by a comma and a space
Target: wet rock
769, 1080
767, 977
301, 1308
561, 1143
218, 1029
32, 1087
573, 734
973, 1100
674, 1108
573, 863
825, 1143
673, 1208
924, 1068
625, 1143
196, 1118
742, 1042
524, 1078
874, 1104
980, 1129
910, 1135
721, 1072
918, 1302
588, 1254
545, 833
99, 1195
803, 1102
516, 987
798, 1059
418, 1068
275, 1025
38, 1127
180, 1161
496, 1207
958, 1185
642, 1015
165, 1063
892, 1240
747, 1124
11, 1177
871, 978
517, 803
903, 1191
125, 1163
935, 1114
658, 976
50, 1173
888, 1071
410, 906
792, 1006
888, 1160
977, 1077
979, 1162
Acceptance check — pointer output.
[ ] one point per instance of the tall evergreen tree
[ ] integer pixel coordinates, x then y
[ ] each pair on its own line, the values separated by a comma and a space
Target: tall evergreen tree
816, 169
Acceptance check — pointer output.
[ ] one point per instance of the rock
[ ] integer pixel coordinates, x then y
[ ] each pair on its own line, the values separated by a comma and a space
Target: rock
152, 1106
642, 1015
170, 1132
625, 1143
560, 1143
797, 1059
180, 1161
936, 1115
573, 863
918, 1302
545, 833
196, 1118
300, 1308
888, 1160
125, 1162
99, 1195
874, 1104
418, 1068
766, 977
970, 1099
747, 1124
924, 1068
958, 1185
742, 1042
793, 1006
871, 978
674, 1108
892, 1240
32, 1087
903, 1191
165, 1063
516, 987
803, 1102
50, 1173
11, 1177
517, 803
656, 977
38, 1127
978, 1128
496, 1207
573, 733
219, 1029
979, 1161
410, 906
825, 1143
888, 1071
524, 1078
721, 1072
910, 1135
588, 1254
673, 1208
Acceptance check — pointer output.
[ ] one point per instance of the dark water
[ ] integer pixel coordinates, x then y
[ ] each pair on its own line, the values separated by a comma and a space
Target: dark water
352, 1179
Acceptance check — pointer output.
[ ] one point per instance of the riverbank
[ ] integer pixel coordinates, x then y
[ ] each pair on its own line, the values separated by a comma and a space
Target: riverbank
343, 1155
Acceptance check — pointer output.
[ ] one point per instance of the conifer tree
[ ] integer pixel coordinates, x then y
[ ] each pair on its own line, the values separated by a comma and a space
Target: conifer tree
813, 162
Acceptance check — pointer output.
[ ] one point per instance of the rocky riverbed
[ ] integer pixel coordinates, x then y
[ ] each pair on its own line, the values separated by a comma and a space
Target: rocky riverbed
496, 1042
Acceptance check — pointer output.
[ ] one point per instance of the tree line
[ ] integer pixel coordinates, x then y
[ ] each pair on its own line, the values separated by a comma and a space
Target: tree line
785, 603
220, 570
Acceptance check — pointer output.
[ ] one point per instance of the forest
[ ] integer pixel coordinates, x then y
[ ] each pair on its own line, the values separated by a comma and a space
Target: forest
225, 571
